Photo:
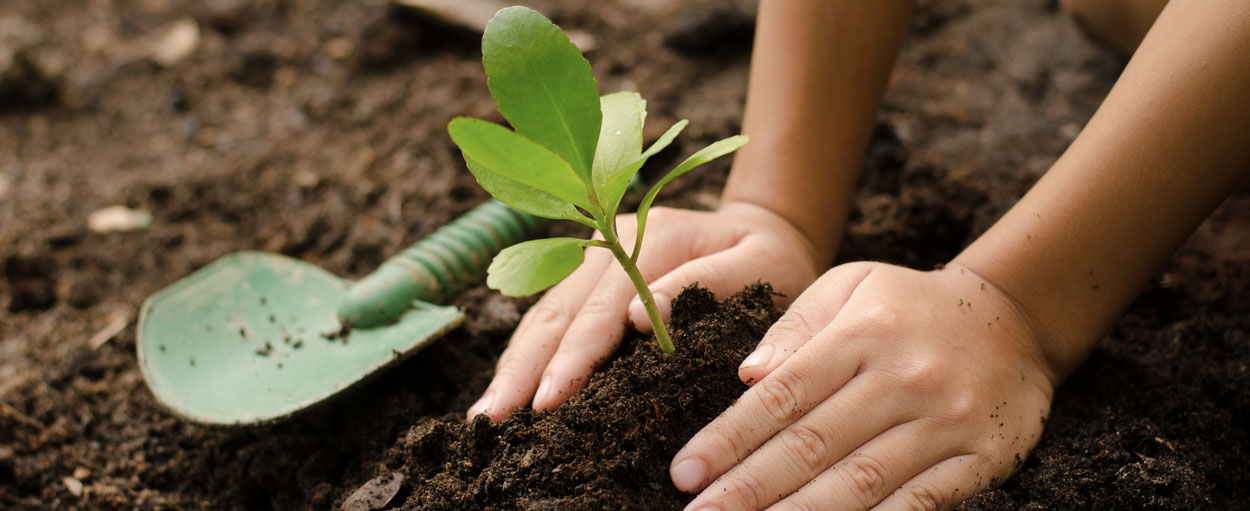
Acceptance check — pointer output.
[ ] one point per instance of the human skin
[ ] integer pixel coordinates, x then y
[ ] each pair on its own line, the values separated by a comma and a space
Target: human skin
781, 214
887, 388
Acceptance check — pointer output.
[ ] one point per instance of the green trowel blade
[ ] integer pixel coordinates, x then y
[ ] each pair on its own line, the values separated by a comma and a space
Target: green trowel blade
254, 337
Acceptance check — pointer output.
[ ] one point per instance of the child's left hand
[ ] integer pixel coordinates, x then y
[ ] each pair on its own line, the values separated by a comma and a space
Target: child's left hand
883, 388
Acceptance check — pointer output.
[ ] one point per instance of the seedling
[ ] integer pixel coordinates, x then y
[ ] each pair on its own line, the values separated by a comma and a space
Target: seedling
571, 156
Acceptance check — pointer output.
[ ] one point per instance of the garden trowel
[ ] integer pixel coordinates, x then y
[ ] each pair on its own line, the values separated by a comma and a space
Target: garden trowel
254, 337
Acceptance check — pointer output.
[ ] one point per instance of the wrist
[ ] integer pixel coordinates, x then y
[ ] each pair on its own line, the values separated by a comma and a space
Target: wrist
820, 258
821, 229
1061, 341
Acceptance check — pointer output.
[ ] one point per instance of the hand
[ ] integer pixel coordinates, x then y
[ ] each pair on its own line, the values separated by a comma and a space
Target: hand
882, 388
580, 321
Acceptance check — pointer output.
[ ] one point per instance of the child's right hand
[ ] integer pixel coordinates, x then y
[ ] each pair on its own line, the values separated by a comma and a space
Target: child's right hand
580, 321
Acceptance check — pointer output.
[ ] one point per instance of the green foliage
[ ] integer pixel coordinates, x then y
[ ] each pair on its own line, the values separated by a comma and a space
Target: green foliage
571, 156
543, 86
527, 268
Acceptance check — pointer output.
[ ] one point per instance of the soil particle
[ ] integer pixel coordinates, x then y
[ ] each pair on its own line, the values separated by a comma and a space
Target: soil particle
275, 135
610, 445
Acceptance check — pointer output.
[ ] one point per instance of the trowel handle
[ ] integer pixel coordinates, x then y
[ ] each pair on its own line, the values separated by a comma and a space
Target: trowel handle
440, 266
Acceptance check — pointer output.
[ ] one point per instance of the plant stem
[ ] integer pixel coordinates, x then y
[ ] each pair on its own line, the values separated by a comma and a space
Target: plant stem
644, 293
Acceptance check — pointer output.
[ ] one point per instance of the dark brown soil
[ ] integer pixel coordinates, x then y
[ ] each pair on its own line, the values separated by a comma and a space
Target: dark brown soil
602, 449
317, 129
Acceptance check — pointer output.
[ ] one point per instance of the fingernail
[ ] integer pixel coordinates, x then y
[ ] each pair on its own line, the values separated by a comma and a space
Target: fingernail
544, 394
688, 474
663, 303
759, 358
482, 405
636, 310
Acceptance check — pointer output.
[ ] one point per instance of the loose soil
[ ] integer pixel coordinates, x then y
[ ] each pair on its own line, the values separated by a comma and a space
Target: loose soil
316, 129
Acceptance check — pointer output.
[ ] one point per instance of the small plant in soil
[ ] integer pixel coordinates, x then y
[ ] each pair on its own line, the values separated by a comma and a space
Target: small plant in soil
571, 156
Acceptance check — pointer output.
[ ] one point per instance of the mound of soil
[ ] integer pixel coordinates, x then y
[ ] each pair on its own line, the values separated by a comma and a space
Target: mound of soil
610, 445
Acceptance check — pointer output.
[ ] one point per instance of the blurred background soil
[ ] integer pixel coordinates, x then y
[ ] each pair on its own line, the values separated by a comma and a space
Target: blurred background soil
141, 139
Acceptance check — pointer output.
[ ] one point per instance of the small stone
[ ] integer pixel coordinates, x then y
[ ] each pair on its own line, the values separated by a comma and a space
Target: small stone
375, 494
118, 218
178, 42
1070, 130
73, 485
339, 48
81, 473
305, 178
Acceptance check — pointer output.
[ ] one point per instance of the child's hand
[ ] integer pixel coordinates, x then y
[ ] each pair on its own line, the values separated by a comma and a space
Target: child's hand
581, 320
881, 386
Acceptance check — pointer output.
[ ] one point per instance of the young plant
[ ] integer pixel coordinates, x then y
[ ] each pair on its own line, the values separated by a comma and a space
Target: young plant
571, 156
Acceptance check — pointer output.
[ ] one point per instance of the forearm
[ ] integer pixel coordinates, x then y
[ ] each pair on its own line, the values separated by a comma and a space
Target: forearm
818, 72
1161, 152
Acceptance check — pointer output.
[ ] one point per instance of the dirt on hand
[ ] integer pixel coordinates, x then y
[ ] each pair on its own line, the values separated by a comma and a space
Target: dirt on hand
316, 129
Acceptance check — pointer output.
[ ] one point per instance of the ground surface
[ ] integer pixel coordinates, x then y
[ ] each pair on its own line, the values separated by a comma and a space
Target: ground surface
316, 129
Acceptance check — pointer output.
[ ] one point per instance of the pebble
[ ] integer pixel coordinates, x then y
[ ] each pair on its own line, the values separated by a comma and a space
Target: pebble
375, 494
73, 485
118, 218
177, 43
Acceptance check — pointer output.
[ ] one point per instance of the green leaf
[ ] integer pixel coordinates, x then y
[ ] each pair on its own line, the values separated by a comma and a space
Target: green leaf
527, 268
504, 152
525, 198
709, 153
610, 193
542, 85
620, 142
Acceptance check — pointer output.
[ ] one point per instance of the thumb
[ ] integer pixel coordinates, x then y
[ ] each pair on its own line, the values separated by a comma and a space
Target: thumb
723, 273
811, 312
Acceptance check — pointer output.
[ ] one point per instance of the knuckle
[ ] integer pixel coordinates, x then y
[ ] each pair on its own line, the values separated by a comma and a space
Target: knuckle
960, 407
878, 318
865, 477
799, 321
918, 375
921, 497
804, 505
780, 395
511, 365
599, 305
704, 272
720, 440
808, 444
546, 311
746, 491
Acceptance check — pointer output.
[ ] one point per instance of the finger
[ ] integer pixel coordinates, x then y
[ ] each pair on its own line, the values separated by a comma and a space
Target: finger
536, 339
805, 449
812, 311
942, 486
708, 258
871, 473
808, 379
723, 273
593, 334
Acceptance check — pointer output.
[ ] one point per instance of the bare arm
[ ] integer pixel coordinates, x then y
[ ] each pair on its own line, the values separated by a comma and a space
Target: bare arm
886, 388
817, 76
1163, 150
